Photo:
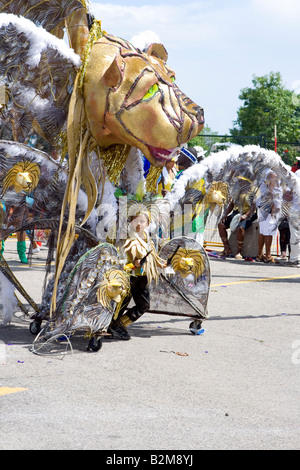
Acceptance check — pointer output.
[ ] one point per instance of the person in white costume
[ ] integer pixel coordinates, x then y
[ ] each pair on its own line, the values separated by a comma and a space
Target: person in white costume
295, 239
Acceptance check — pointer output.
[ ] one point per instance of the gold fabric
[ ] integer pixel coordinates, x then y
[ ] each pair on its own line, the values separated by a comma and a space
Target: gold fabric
136, 248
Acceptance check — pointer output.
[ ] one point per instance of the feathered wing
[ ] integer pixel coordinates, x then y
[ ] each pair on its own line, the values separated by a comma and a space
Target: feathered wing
243, 170
38, 71
188, 197
45, 13
37, 205
9, 302
78, 306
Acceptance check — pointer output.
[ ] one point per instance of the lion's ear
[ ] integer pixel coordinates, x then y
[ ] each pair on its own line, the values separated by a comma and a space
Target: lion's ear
112, 76
158, 50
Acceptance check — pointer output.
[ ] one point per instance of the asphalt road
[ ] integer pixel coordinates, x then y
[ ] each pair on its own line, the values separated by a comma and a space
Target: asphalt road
237, 386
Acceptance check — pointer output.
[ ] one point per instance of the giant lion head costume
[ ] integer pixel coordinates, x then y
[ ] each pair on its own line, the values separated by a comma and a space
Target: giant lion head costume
131, 98
100, 101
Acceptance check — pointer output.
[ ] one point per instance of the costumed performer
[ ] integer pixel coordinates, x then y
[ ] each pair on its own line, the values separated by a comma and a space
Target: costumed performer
144, 265
268, 204
245, 219
168, 176
187, 158
295, 238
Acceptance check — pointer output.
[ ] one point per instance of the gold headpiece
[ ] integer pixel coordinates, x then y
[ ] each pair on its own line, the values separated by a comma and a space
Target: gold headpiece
188, 262
23, 176
143, 202
115, 286
217, 194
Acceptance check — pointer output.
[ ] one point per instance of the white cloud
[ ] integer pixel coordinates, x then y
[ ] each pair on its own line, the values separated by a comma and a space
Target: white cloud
144, 39
168, 21
285, 12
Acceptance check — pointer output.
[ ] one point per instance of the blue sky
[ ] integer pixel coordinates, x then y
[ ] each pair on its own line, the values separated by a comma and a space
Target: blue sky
214, 46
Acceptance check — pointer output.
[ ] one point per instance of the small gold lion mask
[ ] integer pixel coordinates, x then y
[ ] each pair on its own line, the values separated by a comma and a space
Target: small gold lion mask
23, 176
188, 262
115, 286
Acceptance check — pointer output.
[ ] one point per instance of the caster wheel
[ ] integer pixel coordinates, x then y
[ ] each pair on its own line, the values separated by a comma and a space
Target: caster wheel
195, 327
35, 327
95, 344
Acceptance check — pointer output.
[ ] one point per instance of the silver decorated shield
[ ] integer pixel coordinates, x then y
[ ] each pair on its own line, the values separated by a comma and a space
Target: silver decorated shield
183, 287
92, 295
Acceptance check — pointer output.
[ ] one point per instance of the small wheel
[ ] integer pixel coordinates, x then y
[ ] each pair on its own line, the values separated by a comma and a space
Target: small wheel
95, 344
35, 327
195, 327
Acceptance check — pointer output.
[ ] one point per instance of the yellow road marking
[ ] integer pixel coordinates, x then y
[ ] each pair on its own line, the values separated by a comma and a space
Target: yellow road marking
7, 390
256, 280
23, 265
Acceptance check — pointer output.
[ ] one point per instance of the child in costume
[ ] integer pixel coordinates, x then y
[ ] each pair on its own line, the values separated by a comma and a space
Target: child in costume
168, 177
144, 264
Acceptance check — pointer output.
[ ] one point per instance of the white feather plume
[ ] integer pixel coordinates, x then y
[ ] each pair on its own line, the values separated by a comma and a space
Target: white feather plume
39, 38
8, 301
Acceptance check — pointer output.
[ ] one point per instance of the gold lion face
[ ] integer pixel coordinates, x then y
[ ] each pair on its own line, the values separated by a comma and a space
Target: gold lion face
186, 265
115, 286
131, 98
23, 176
187, 262
115, 290
217, 194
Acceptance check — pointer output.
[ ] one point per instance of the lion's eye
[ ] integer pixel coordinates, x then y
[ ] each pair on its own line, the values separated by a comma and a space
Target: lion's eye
173, 78
151, 92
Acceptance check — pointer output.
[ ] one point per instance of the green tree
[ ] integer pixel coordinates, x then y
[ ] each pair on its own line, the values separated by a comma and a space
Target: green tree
205, 139
266, 104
